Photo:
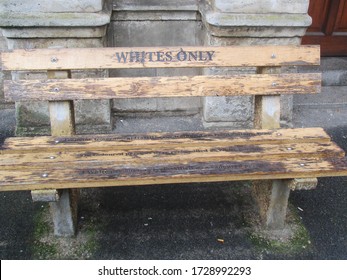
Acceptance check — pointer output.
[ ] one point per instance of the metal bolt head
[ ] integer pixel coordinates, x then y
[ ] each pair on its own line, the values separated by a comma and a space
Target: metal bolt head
289, 148
44, 175
56, 141
279, 134
302, 164
274, 84
54, 59
52, 157
56, 89
273, 56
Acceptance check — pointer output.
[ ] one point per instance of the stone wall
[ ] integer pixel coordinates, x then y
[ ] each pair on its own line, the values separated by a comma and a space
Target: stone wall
261, 6
48, 23
44, 6
52, 24
3, 104
155, 23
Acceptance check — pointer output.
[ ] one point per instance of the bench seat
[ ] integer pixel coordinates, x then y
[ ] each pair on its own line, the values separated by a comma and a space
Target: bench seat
36, 163
279, 160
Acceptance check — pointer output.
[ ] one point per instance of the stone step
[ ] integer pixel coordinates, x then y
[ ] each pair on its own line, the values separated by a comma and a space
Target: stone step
327, 109
334, 70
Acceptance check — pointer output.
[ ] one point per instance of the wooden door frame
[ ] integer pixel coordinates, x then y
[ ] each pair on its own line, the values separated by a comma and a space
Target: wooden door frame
331, 45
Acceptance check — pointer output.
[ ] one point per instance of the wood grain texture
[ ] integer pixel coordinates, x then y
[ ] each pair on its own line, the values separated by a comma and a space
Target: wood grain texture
183, 86
45, 195
272, 195
158, 158
303, 184
329, 27
159, 57
102, 175
162, 140
61, 113
157, 155
267, 109
66, 161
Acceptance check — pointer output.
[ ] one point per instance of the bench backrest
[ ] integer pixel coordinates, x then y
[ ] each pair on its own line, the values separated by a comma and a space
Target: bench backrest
61, 90
65, 60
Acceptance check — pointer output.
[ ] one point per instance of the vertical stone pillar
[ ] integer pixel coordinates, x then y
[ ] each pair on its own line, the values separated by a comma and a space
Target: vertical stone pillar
51, 24
3, 47
64, 213
249, 22
253, 22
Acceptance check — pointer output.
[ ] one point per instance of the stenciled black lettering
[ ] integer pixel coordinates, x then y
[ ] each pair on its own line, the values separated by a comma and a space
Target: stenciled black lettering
132, 57
210, 54
181, 55
202, 57
192, 56
122, 57
135, 57
168, 56
160, 56
150, 56
143, 58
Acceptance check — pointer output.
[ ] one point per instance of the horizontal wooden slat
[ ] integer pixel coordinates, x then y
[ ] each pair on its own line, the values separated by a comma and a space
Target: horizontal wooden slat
100, 175
172, 139
159, 57
158, 155
75, 89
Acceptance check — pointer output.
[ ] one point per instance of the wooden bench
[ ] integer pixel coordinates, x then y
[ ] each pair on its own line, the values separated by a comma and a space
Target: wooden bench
55, 167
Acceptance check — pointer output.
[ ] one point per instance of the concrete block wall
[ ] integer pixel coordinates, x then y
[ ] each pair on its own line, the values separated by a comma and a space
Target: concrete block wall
3, 104
44, 6
214, 22
250, 22
154, 23
52, 24
267, 6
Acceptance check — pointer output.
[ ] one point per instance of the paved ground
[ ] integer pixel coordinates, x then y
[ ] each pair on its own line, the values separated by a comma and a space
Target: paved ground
185, 221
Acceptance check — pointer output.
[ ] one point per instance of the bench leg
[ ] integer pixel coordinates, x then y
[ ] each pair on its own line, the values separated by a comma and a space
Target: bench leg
272, 198
64, 213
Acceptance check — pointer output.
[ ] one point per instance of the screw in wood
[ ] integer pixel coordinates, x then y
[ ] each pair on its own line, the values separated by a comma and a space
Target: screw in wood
44, 175
289, 148
56, 89
54, 59
273, 56
274, 84
302, 164
56, 141
52, 157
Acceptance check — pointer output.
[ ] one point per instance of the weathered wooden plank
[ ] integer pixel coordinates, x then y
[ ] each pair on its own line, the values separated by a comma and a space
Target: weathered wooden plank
102, 175
61, 113
159, 57
276, 212
156, 154
45, 195
180, 86
62, 118
302, 184
271, 195
172, 139
267, 108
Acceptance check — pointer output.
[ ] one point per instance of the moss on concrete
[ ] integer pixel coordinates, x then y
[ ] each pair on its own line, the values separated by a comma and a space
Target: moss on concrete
47, 246
32, 119
90, 245
32, 131
43, 248
293, 239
